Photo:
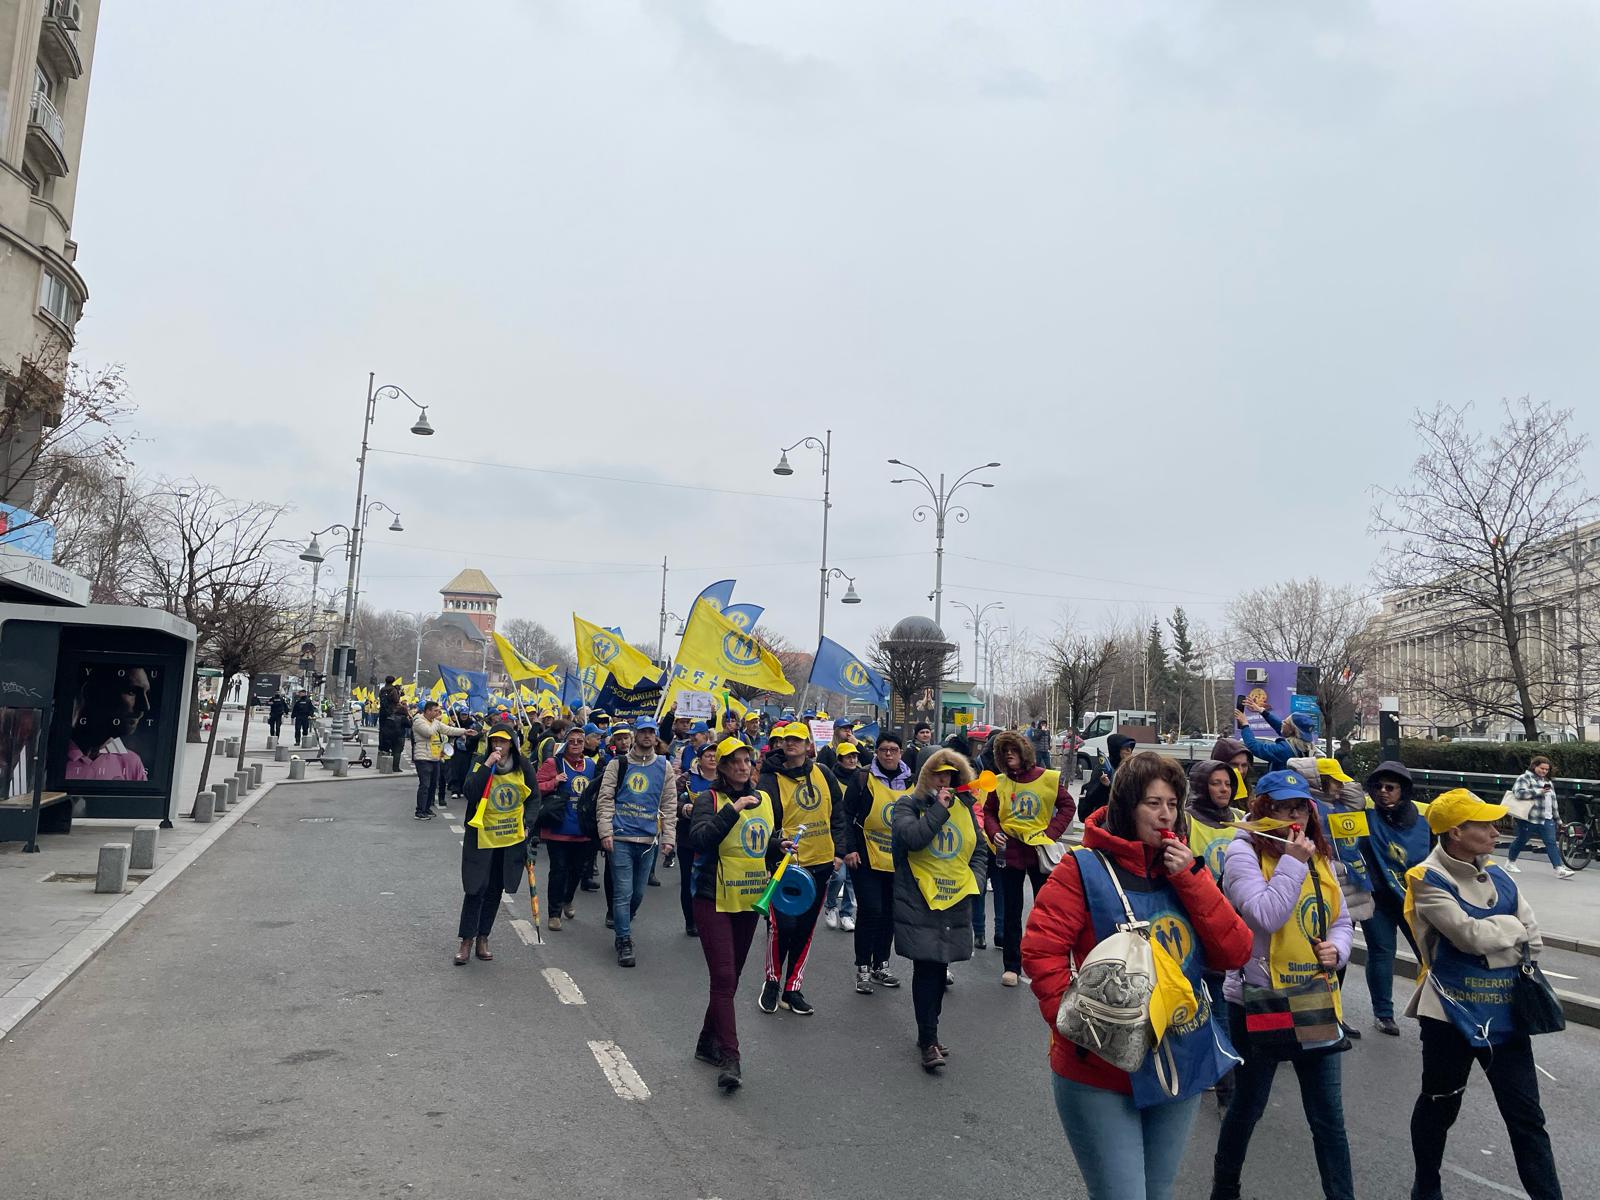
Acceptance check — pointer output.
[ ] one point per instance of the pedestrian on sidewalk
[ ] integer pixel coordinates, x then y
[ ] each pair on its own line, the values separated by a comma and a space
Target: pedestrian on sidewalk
869, 802
637, 806
839, 906
1030, 807
940, 862
487, 872
1534, 784
563, 780
277, 709
1476, 933
432, 733
303, 711
735, 842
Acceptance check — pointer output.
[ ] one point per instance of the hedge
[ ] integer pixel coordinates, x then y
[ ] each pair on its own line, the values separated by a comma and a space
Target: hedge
1570, 760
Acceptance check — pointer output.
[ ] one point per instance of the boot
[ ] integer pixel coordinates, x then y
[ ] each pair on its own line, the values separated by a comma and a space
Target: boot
729, 1079
625, 952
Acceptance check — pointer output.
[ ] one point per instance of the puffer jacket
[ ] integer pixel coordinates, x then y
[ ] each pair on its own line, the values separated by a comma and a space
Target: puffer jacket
1060, 927
921, 933
1018, 855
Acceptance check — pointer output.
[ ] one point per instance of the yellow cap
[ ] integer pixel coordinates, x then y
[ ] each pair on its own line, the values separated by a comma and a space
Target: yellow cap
1331, 768
1457, 807
728, 746
794, 729
500, 733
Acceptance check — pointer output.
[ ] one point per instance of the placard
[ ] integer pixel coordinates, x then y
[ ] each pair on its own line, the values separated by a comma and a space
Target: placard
697, 706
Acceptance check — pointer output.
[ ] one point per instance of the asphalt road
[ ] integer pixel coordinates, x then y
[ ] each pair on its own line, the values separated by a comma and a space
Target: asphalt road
285, 1020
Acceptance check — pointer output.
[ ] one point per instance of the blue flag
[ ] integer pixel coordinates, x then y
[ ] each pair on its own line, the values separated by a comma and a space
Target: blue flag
474, 683
571, 691
744, 616
835, 669
720, 594
867, 733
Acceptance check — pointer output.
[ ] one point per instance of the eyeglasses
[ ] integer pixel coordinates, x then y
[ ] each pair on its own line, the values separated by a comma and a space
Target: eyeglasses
1388, 787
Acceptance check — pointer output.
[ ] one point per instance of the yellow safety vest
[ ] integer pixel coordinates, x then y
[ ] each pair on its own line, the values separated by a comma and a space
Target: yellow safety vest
499, 816
943, 868
1210, 842
808, 802
1026, 809
742, 856
878, 825
1291, 960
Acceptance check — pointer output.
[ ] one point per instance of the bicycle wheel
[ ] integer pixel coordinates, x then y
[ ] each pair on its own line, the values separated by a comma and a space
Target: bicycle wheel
1576, 845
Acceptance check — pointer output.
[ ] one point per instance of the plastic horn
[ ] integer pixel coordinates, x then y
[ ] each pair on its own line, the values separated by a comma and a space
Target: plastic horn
765, 903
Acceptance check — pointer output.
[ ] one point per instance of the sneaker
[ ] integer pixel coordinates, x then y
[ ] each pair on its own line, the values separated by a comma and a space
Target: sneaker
1564, 872
1386, 1025
1353, 1034
931, 1059
943, 1049
864, 980
427, 816
830, 918
1512, 867
691, 931
883, 977
653, 881
625, 953
728, 1078
670, 857
848, 924
569, 912
554, 922
949, 978
768, 1002
977, 941
797, 1003
1010, 979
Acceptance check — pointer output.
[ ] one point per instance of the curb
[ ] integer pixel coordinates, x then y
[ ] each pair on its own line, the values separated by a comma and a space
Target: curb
1580, 1009
24, 997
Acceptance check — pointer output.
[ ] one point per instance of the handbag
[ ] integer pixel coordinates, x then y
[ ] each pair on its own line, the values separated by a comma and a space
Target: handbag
1281, 1023
1534, 1003
1106, 1008
1522, 810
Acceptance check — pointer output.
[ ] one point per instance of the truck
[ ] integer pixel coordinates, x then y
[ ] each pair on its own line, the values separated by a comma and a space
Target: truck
1096, 728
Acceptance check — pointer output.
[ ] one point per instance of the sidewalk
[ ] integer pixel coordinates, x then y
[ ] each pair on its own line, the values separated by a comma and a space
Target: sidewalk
51, 919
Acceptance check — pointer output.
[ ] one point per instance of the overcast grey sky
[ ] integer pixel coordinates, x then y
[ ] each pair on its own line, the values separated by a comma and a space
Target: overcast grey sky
1183, 268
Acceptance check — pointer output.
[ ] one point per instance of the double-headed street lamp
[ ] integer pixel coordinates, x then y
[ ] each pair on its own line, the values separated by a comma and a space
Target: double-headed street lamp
824, 444
939, 509
975, 623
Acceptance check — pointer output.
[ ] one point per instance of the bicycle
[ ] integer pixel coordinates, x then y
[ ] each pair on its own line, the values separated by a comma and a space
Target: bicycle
1579, 840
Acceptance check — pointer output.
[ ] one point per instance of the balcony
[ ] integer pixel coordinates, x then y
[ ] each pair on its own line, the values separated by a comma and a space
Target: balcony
47, 135
58, 39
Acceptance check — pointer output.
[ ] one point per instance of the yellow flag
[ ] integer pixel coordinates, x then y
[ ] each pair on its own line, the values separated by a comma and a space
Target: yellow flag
436, 692
1261, 824
409, 693
712, 643
602, 650
520, 668
1172, 1002
1347, 826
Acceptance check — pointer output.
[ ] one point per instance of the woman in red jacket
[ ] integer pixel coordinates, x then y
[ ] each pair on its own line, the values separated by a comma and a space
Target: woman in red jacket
1126, 1132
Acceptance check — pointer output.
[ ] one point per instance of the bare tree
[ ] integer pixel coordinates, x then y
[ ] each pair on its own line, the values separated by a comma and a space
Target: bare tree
57, 421
796, 666
1080, 661
912, 666
1315, 624
1480, 516
539, 645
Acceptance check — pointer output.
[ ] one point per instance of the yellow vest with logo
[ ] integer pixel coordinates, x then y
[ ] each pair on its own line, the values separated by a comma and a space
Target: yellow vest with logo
1291, 960
1210, 842
499, 816
742, 856
943, 868
809, 802
878, 825
1027, 808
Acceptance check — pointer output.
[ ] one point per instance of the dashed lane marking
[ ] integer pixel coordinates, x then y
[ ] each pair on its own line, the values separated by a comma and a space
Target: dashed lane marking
458, 829
1479, 1179
524, 930
566, 991
619, 1072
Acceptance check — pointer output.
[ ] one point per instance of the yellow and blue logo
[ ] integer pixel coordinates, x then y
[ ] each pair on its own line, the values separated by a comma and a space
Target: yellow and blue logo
605, 647
947, 842
754, 838
1174, 936
740, 649
854, 674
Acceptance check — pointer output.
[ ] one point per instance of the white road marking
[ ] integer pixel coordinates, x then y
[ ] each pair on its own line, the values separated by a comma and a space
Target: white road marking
1558, 974
458, 829
1488, 1183
566, 991
619, 1072
1545, 1073
525, 932
505, 899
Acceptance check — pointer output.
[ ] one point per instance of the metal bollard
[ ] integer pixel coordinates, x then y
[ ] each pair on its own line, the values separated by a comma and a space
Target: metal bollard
143, 857
255, 773
280, 754
219, 797
341, 768
111, 875
297, 767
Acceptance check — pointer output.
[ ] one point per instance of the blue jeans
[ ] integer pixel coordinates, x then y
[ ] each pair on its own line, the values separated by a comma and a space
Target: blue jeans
1321, 1097
630, 875
1123, 1153
1380, 929
841, 893
1545, 830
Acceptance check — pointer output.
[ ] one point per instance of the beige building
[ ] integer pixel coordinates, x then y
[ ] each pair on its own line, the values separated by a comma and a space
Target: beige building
44, 94
1438, 665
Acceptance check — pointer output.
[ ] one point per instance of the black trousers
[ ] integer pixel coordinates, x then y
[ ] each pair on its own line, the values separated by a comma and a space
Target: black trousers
927, 997
302, 726
1447, 1059
566, 861
874, 915
275, 724
1009, 882
789, 938
478, 912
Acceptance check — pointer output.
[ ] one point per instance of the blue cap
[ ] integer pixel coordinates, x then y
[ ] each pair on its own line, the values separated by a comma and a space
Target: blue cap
646, 723
844, 723
700, 727
591, 727
1284, 785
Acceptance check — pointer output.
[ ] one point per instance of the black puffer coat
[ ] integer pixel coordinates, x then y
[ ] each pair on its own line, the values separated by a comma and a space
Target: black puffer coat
921, 933
479, 866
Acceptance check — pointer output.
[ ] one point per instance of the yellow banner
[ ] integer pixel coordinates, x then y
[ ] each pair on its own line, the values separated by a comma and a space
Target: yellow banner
601, 650
713, 644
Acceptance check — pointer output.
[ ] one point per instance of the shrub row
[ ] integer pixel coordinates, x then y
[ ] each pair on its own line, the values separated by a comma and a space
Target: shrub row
1571, 760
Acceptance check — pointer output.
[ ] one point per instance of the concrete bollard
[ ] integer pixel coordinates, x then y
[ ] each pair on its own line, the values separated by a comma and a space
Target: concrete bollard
243, 778
143, 857
297, 767
272, 741
205, 807
230, 747
232, 784
111, 875
280, 754
255, 773
385, 765
219, 794
341, 768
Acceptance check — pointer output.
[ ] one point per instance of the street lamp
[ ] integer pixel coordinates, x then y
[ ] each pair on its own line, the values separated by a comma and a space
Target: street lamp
420, 428
851, 596
824, 444
975, 623
661, 633
988, 651
939, 509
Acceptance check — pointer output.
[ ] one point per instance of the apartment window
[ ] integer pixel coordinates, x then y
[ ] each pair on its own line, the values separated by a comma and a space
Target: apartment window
42, 84
56, 298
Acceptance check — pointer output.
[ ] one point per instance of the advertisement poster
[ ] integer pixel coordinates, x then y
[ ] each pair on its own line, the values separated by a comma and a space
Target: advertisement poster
116, 709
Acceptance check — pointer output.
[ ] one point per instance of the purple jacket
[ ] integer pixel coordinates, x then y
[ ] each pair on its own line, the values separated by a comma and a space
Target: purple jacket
1266, 906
